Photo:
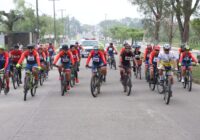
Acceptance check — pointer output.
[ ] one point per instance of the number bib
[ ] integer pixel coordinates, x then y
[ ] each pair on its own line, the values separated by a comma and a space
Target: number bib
65, 59
31, 58
128, 58
155, 59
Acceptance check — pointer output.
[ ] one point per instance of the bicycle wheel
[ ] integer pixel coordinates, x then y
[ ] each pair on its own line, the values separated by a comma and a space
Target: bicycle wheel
14, 81
63, 85
189, 81
114, 64
185, 82
160, 86
33, 88
18, 79
5, 86
152, 84
129, 86
167, 92
1, 85
41, 77
140, 72
93, 86
26, 86
178, 75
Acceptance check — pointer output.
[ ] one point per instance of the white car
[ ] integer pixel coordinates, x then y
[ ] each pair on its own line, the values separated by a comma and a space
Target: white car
88, 45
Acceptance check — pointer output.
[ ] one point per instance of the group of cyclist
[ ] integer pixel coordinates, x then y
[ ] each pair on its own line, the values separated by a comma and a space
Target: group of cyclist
41, 56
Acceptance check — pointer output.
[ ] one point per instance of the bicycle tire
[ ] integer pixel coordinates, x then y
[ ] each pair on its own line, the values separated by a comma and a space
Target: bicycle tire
18, 79
189, 81
152, 86
14, 82
63, 85
93, 86
160, 87
26, 87
5, 86
168, 92
33, 88
129, 86
140, 72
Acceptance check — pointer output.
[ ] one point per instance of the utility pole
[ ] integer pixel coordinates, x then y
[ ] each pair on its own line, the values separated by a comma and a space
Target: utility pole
62, 17
54, 16
38, 23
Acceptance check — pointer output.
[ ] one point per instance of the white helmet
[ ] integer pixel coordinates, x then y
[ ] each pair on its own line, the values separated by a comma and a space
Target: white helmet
166, 46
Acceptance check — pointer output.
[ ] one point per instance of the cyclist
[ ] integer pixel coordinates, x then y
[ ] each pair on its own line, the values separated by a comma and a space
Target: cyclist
153, 60
43, 58
125, 57
33, 61
111, 50
66, 59
52, 52
76, 61
98, 60
101, 48
137, 53
15, 55
45, 48
166, 61
185, 61
4, 65
147, 52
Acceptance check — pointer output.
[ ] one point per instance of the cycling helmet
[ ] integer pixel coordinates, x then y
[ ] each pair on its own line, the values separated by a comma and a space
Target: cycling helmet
96, 47
30, 46
71, 46
157, 48
2, 47
40, 47
76, 43
111, 44
16, 47
187, 48
166, 47
50, 43
65, 47
137, 46
182, 46
149, 46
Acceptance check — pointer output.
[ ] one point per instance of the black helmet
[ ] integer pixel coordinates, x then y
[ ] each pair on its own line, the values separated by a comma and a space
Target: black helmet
65, 47
31, 46
71, 46
76, 43
183, 46
111, 43
16, 47
50, 43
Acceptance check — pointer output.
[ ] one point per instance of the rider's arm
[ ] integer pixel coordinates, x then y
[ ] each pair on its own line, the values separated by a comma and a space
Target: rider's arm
103, 57
7, 60
71, 57
57, 57
44, 56
193, 58
89, 57
115, 50
37, 58
77, 56
145, 55
22, 57
181, 57
151, 58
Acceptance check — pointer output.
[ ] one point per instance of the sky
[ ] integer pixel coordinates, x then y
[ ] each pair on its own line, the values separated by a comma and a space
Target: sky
86, 11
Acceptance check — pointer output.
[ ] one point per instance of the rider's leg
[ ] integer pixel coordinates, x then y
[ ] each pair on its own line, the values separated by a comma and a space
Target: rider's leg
68, 76
151, 72
183, 72
122, 70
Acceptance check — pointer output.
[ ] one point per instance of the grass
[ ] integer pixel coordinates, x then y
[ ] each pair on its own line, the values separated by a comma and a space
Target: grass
196, 74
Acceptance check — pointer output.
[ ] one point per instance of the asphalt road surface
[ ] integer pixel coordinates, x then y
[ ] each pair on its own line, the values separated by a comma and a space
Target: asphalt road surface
110, 116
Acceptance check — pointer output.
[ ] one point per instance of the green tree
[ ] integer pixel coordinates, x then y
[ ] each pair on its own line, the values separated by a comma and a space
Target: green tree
184, 10
10, 18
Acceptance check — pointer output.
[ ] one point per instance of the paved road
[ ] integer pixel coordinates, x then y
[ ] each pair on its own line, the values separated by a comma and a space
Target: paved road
110, 116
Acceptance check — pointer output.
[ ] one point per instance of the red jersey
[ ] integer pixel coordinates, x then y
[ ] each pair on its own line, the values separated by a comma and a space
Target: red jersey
75, 55
190, 55
63, 56
4, 60
147, 54
152, 57
31, 58
15, 55
92, 54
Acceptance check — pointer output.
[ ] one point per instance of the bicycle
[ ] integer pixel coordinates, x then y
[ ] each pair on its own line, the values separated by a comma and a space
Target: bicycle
72, 78
154, 82
15, 77
166, 86
42, 75
51, 62
3, 84
138, 69
112, 62
126, 81
63, 81
29, 84
188, 79
96, 81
